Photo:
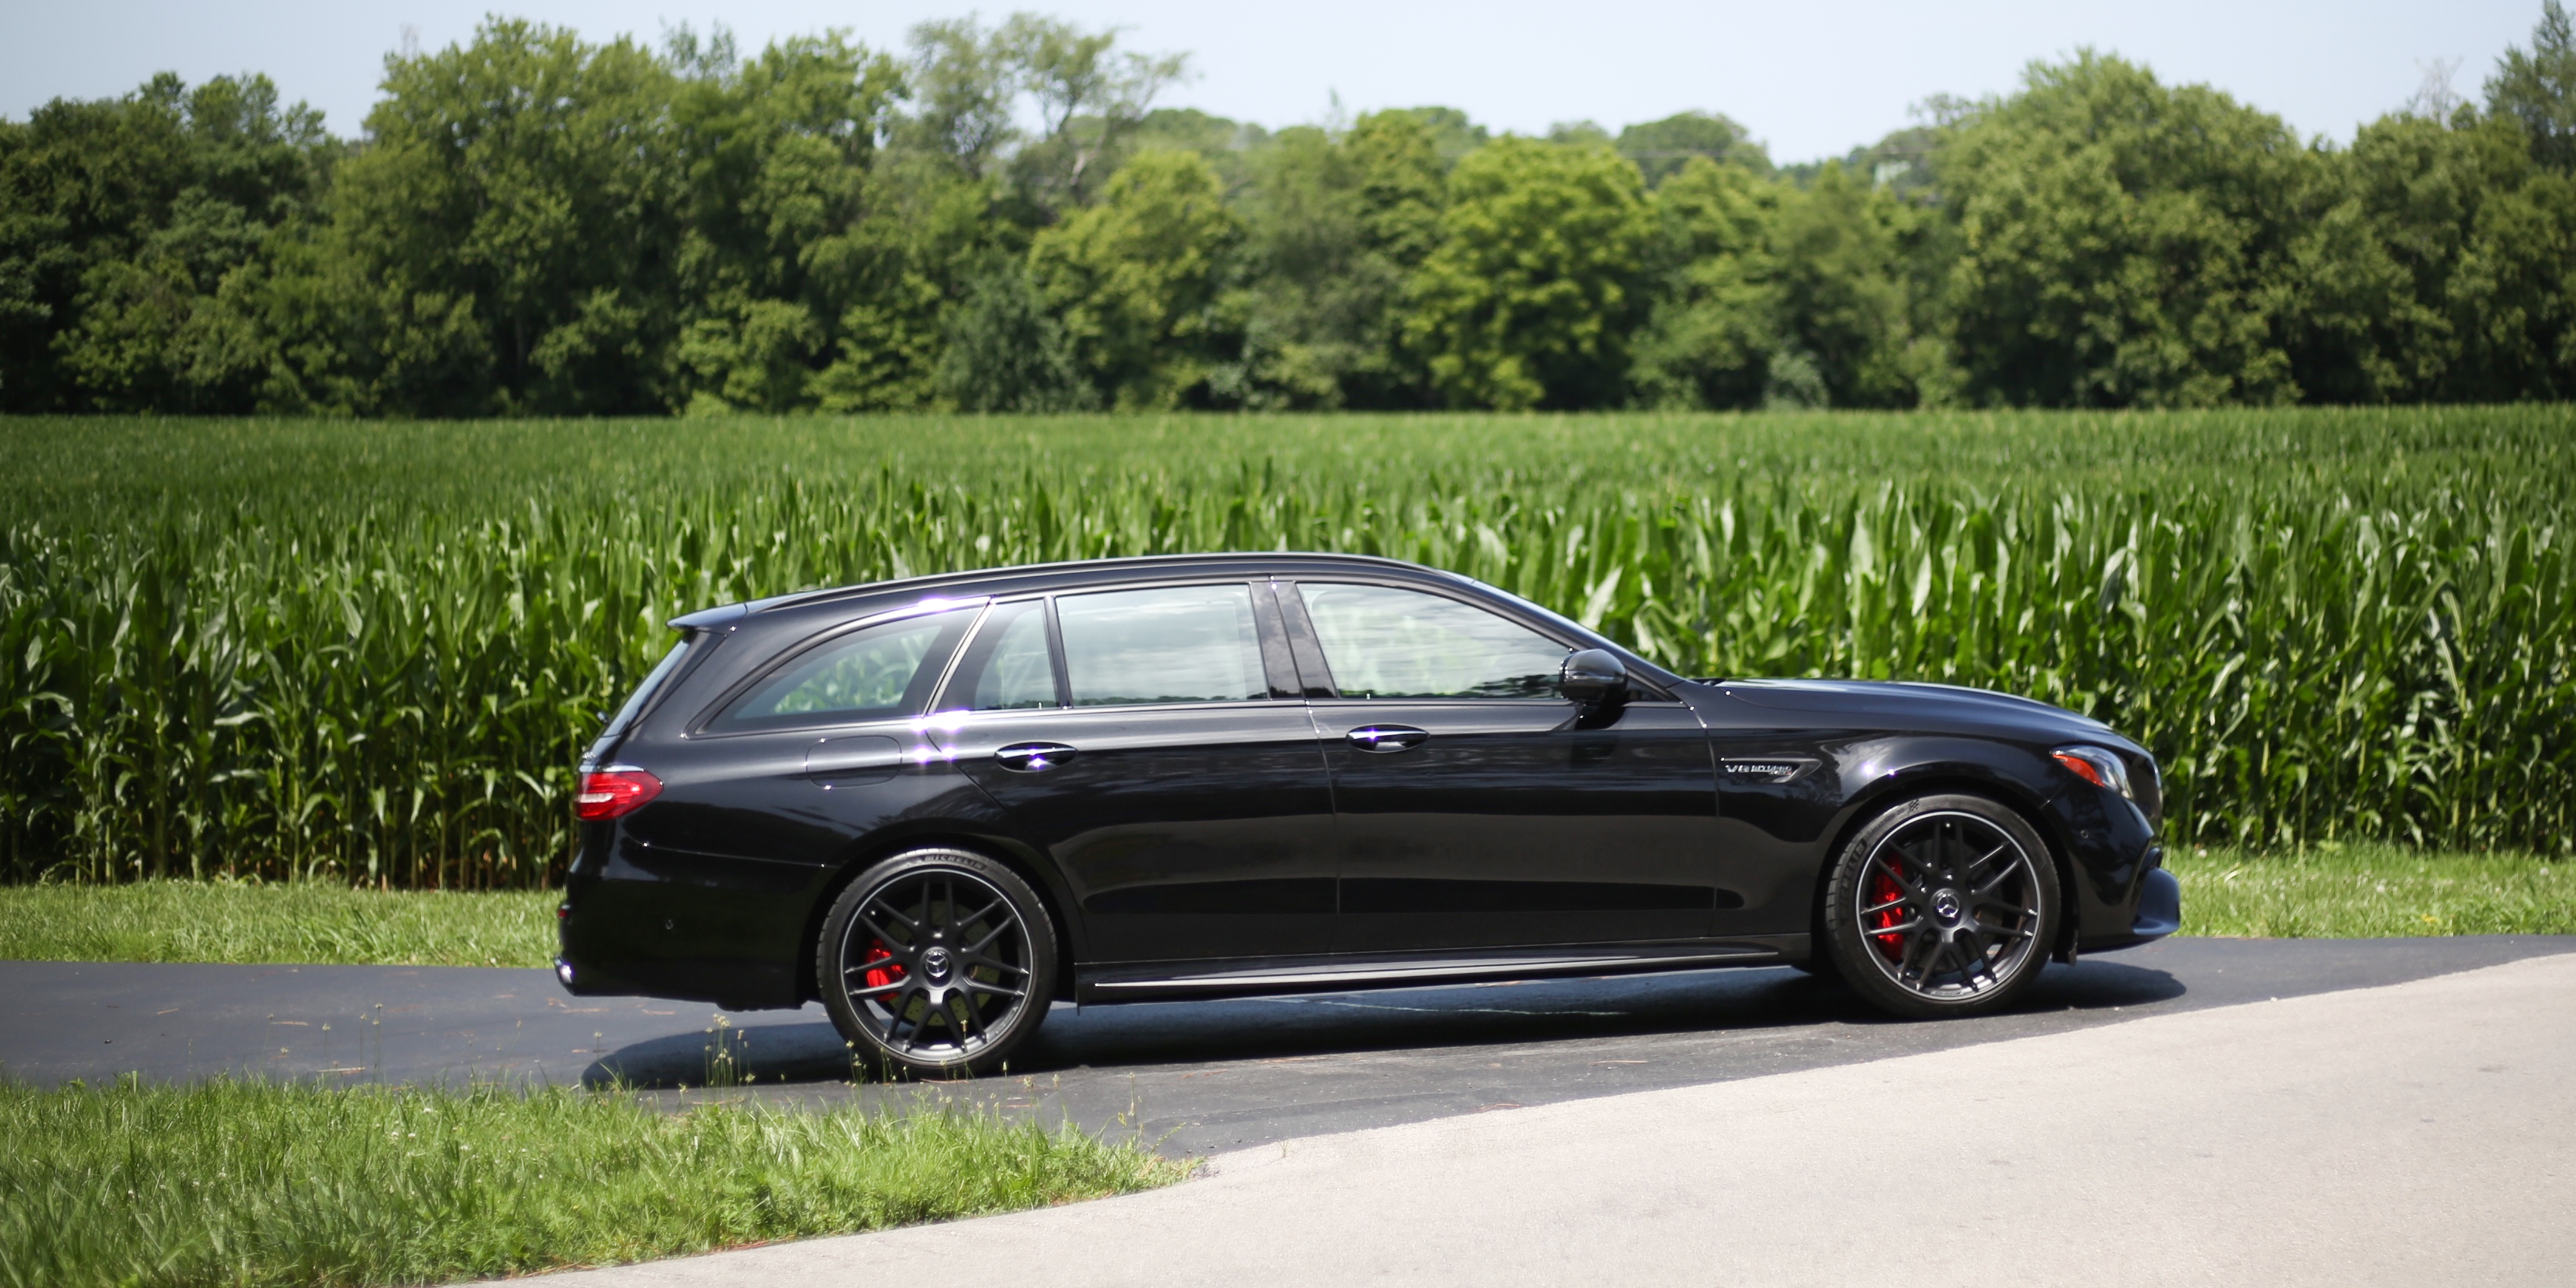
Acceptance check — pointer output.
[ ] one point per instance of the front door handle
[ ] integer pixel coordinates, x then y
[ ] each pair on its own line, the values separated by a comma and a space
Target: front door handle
1386, 737
1033, 757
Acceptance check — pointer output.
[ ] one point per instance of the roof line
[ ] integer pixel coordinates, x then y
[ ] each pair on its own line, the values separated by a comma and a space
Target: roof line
804, 598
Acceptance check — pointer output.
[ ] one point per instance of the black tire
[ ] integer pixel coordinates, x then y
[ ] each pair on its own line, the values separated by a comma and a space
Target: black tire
937, 961
1942, 906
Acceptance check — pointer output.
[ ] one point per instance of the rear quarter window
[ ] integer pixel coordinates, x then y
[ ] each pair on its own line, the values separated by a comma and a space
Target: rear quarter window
880, 672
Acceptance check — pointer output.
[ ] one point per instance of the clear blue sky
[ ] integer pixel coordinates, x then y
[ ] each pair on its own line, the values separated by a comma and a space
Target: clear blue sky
1811, 80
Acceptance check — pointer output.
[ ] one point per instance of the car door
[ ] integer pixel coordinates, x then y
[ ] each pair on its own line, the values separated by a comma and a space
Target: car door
1478, 809
1150, 738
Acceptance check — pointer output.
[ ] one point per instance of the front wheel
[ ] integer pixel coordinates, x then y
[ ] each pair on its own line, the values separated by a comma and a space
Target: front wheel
937, 961
1943, 905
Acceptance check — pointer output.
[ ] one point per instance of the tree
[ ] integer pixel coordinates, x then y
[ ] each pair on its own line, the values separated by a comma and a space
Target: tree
128, 229
2122, 243
773, 162
1005, 353
2538, 88
1661, 148
1530, 295
1715, 322
527, 178
1134, 278
1089, 96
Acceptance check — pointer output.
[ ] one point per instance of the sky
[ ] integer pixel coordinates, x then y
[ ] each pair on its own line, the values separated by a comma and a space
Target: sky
1809, 80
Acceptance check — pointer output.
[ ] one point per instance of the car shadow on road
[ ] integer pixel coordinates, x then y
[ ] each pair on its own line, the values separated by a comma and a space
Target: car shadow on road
1160, 1033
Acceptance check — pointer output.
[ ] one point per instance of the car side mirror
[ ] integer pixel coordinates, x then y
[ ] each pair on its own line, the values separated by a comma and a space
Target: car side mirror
1592, 677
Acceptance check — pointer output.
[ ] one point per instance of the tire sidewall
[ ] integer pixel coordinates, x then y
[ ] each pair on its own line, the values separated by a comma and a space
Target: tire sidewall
1025, 903
1854, 959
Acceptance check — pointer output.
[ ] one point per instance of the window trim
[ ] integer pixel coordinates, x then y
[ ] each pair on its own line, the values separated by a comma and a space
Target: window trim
703, 725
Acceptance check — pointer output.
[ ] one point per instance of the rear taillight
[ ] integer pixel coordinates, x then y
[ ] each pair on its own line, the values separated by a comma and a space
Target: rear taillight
614, 793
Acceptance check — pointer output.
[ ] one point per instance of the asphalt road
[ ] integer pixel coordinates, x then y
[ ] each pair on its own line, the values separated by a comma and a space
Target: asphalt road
1194, 1077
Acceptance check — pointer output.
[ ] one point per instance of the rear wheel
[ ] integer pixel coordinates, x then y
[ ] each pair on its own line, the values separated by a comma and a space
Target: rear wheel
1944, 905
937, 961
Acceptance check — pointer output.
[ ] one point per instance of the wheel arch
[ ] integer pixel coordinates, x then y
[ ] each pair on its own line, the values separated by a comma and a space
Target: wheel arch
1935, 779
1022, 859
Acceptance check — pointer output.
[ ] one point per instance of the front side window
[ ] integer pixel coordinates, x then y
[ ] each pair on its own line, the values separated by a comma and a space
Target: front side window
881, 672
1381, 642
1168, 644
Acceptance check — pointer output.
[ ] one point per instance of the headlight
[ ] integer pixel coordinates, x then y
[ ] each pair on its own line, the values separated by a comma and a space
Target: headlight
2098, 767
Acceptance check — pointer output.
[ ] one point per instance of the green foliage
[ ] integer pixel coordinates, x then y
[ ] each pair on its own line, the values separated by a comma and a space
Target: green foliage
1135, 277
2122, 242
1661, 148
131, 232
1529, 297
256, 1183
2536, 89
298, 922
373, 653
2437, 268
539, 225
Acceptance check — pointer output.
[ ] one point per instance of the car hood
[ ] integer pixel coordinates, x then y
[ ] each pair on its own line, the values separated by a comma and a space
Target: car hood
1903, 698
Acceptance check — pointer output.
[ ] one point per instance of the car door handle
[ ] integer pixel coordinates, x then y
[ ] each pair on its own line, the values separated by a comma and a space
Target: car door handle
1033, 757
1386, 737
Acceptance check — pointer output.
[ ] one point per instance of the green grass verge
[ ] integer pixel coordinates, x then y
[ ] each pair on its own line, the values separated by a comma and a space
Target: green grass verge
2349, 891
255, 1183
302, 923
2373, 892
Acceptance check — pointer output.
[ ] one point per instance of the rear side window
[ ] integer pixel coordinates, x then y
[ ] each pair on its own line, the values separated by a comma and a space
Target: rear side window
880, 672
1167, 644
1382, 642
1008, 666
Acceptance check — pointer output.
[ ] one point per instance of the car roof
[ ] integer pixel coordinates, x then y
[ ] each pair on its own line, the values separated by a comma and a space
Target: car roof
1068, 573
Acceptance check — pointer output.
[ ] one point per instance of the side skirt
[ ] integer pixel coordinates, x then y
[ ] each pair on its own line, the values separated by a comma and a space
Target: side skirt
1099, 984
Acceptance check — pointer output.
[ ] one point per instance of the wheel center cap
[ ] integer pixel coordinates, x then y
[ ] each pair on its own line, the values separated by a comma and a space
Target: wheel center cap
1945, 905
936, 964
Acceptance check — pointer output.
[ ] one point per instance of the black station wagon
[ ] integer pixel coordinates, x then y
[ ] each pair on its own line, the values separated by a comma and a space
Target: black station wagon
938, 805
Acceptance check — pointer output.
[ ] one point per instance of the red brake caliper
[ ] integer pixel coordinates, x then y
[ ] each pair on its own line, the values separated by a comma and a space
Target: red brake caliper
880, 976
1883, 889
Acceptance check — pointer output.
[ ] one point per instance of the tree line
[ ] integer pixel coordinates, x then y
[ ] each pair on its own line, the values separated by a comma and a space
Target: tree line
1000, 218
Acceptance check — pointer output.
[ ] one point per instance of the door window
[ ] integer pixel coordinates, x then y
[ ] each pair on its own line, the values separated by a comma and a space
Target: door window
1167, 644
1381, 642
1008, 666
881, 672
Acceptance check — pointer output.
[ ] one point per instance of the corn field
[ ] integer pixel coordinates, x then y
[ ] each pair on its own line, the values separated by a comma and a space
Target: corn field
372, 652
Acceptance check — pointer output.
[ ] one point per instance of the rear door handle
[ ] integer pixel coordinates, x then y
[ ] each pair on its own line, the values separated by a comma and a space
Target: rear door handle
1033, 757
1386, 737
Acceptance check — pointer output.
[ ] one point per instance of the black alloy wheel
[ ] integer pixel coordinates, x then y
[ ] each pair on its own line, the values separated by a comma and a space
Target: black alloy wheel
937, 961
1943, 905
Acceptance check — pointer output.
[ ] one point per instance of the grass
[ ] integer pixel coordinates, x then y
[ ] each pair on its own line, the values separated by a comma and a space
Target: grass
2374, 892
258, 1183
300, 923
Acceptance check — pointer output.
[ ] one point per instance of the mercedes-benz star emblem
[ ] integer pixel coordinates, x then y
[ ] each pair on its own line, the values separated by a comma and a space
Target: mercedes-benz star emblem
936, 965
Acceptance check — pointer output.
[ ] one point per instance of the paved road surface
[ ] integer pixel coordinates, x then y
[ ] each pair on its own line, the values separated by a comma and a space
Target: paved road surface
1193, 1077
2423, 1133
